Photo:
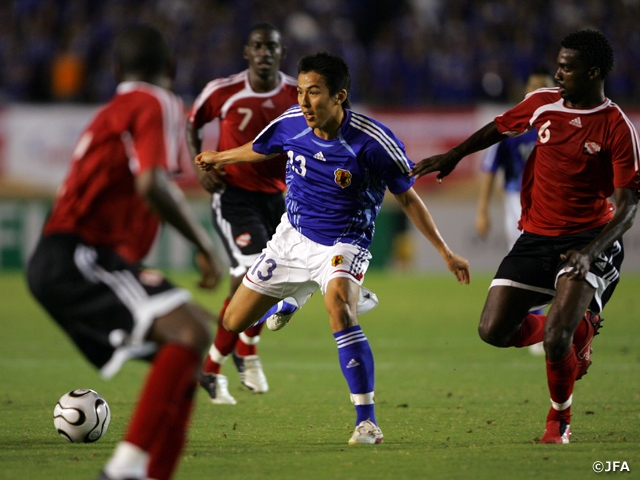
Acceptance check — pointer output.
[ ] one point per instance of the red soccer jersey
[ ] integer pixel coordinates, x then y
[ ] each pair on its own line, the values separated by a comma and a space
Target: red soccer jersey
243, 114
139, 128
580, 156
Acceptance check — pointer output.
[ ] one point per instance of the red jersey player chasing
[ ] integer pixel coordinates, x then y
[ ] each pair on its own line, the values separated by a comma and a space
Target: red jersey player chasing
86, 268
571, 249
248, 198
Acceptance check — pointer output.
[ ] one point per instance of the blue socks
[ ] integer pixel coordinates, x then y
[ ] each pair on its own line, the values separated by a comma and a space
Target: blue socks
356, 362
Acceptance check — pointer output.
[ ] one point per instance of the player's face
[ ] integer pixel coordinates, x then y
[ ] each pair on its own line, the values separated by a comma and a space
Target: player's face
573, 77
322, 111
264, 52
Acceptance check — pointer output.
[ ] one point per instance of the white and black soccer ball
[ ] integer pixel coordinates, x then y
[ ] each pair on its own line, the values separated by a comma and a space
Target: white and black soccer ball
82, 416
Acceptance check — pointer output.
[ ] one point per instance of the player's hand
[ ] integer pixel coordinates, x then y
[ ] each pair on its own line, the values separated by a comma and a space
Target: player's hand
210, 270
212, 181
577, 263
459, 266
208, 160
444, 163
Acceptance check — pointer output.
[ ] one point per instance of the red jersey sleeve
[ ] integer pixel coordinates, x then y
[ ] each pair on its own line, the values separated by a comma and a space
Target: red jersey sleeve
208, 105
517, 120
625, 154
148, 138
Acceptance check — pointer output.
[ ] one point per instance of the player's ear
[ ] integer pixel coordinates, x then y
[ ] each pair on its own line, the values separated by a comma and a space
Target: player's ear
245, 51
341, 97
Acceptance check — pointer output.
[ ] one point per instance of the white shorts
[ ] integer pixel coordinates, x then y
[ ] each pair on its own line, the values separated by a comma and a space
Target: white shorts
291, 265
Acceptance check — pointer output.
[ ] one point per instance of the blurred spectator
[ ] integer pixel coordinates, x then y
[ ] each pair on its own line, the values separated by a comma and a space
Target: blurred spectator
403, 52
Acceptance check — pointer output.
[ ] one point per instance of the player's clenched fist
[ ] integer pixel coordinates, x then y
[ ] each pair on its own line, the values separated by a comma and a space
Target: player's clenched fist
207, 160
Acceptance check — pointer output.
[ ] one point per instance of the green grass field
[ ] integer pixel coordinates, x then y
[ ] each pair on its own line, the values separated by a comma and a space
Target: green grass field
450, 406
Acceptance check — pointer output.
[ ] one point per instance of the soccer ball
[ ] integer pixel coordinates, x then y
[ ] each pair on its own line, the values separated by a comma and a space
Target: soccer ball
81, 416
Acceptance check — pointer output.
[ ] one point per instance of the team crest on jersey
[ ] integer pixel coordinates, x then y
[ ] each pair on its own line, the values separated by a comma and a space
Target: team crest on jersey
150, 278
591, 148
343, 177
337, 260
243, 240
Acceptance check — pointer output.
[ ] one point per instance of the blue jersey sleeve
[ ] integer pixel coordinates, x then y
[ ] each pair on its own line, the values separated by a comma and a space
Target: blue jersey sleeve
273, 137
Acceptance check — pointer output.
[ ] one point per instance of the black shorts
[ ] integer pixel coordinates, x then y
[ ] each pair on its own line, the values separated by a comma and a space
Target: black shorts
245, 221
534, 264
105, 304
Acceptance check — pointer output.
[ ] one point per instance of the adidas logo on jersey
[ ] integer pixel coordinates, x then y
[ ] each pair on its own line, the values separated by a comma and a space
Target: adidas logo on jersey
576, 122
320, 156
353, 363
601, 265
268, 104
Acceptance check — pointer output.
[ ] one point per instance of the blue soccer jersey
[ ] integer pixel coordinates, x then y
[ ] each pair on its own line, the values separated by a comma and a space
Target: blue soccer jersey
510, 155
336, 187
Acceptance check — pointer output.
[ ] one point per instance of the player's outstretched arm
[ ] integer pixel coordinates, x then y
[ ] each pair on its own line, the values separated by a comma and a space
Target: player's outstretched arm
210, 159
446, 162
168, 201
416, 210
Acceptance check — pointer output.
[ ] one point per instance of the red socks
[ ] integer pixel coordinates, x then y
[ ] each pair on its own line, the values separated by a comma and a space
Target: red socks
160, 419
225, 342
561, 378
245, 349
531, 331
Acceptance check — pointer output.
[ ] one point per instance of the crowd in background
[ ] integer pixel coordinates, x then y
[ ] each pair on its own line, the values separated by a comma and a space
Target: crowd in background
402, 53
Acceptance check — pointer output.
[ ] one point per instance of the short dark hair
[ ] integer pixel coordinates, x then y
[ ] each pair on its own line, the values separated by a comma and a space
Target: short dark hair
334, 70
595, 49
261, 26
142, 50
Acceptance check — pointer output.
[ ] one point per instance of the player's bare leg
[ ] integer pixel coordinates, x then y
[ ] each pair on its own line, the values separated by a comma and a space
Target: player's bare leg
506, 321
246, 308
243, 347
355, 356
157, 430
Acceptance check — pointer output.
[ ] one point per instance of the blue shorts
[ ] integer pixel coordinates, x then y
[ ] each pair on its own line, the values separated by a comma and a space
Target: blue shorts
534, 264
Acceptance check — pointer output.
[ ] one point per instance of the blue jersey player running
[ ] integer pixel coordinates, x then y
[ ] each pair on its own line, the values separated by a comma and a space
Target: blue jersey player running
340, 163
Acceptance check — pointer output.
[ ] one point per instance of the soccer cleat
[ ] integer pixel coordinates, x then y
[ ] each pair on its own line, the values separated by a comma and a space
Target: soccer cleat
367, 433
217, 386
251, 374
583, 345
279, 315
367, 300
556, 431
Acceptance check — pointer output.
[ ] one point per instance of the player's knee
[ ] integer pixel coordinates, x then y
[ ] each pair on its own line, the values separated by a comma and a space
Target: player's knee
196, 335
491, 335
557, 342
232, 322
186, 326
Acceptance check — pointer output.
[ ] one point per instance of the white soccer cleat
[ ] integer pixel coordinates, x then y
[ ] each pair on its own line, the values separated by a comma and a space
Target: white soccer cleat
366, 301
217, 386
284, 310
367, 433
251, 374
